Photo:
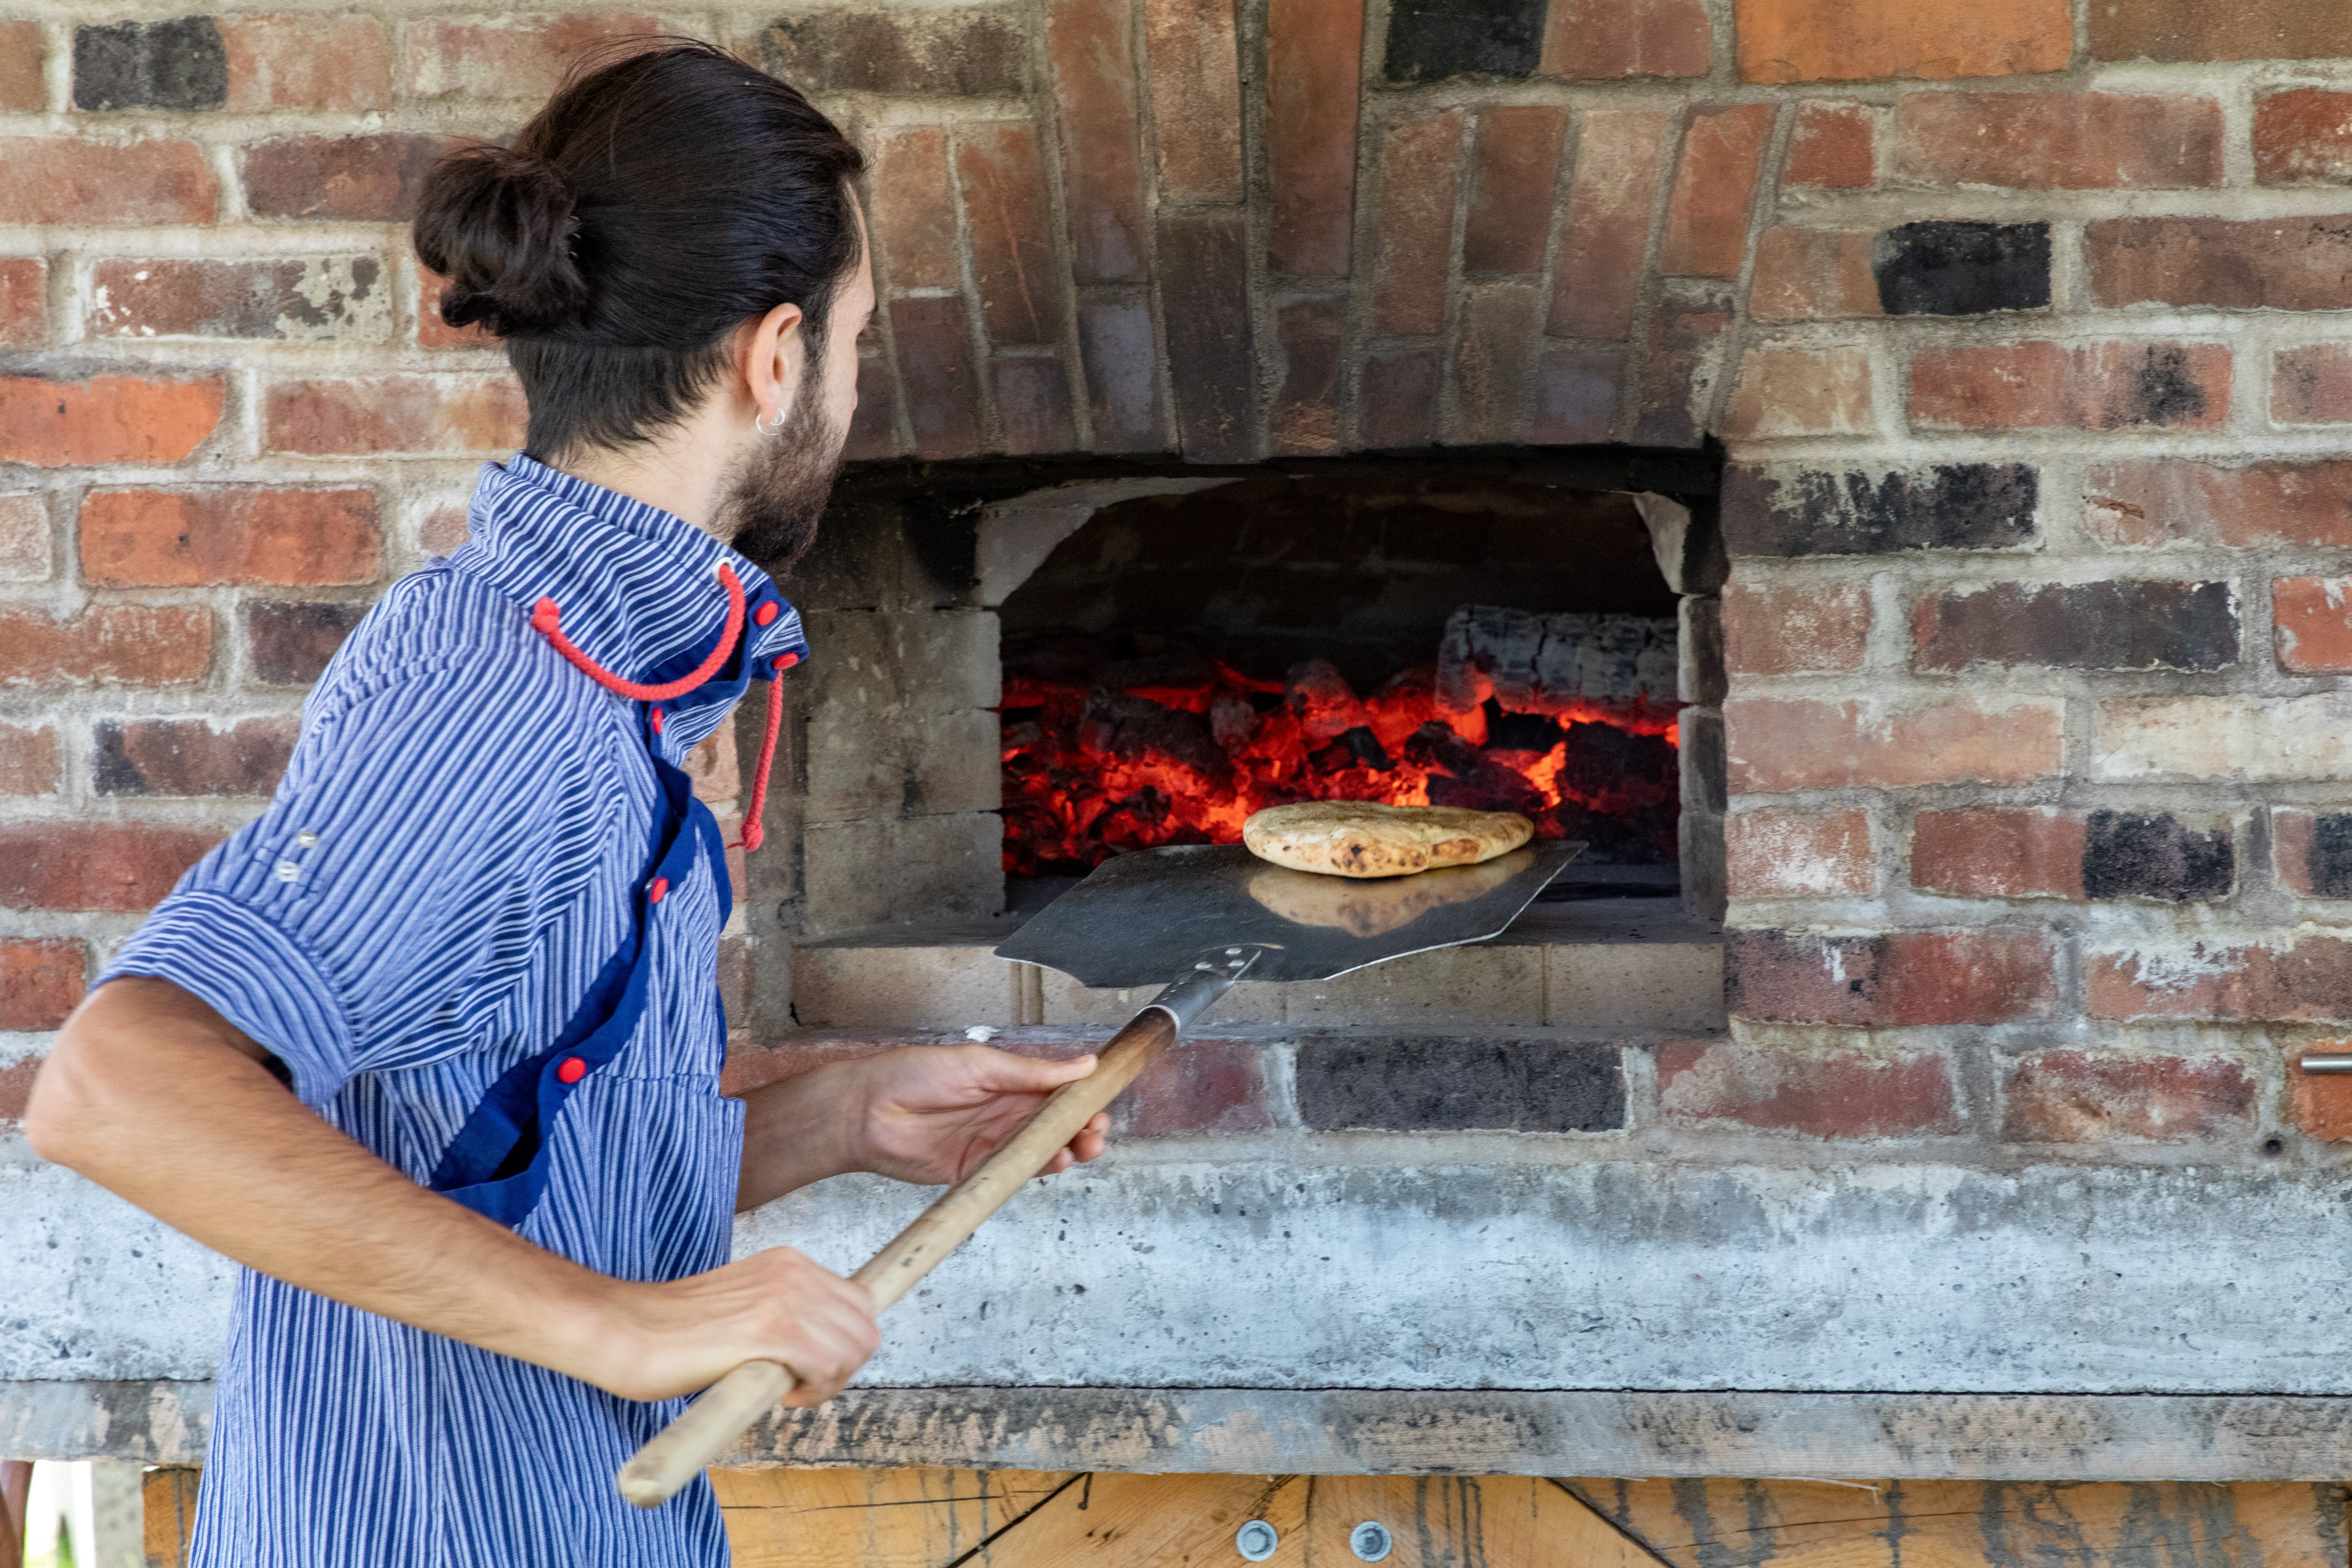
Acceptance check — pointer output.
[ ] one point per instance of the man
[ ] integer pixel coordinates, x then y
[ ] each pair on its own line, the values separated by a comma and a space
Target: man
432, 1047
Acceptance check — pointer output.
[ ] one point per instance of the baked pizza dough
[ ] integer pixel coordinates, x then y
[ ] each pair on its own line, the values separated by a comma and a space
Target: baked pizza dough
1357, 838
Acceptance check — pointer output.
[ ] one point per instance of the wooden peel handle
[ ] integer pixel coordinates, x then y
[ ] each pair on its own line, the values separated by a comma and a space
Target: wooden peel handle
709, 1428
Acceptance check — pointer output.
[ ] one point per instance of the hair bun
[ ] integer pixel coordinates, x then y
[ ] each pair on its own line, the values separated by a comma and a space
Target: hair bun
498, 225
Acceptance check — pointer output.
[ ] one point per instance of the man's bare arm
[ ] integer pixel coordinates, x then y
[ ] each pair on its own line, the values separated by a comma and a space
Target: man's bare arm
155, 1097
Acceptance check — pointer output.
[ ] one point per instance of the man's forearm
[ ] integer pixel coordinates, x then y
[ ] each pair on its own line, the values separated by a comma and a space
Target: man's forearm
799, 1131
154, 1096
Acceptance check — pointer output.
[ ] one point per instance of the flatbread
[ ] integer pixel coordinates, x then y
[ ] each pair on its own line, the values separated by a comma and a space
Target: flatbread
1357, 838
1370, 909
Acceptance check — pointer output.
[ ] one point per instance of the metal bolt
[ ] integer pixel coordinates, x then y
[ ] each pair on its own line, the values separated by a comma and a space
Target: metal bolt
1257, 1540
1233, 952
1370, 1541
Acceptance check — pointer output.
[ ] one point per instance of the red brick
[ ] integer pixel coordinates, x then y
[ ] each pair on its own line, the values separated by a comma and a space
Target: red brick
1225, 1092
1823, 1094
289, 644
1305, 415
1516, 165
1417, 225
1314, 57
40, 982
1592, 40
320, 62
2304, 137
2314, 624
1576, 393
445, 528
29, 761
934, 342
24, 538
106, 419
1678, 374
138, 645
1795, 631
22, 89
157, 539
1812, 274
2267, 264
2311, 385
2287, 978
342, 299
1032, 403
15, 1094
1774, 853
1196, 98
2081, 1097
1121, 358
118, 868
1619, 153
2088, 386
1790, 744
57, 180
1397, 409
1715, 189
2200, 30
1856, 41
1894, 979
24, 302
2293, 832
874, 428
449, 415
432, 331
2321, 1106
913, 208
2059, 141
1834, 147
1992, 852
1785, 392
2183, 500
1497, 341
189, 757
1022, 295
360, 179
1094, 72
506, 55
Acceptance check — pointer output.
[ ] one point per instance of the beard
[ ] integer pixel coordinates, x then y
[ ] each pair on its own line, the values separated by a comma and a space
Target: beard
776, 495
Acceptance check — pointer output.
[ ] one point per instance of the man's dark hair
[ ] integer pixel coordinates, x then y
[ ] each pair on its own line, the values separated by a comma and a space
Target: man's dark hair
650, 209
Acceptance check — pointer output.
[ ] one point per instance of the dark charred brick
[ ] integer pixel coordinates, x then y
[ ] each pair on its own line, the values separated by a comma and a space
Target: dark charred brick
177, 65
1430, 40
1961, 268
1951, 506
2330, 863
2081, 625
931, 54
1706, 762
2126, 855
291, 643
1211, 357
1414, 1085
188, 756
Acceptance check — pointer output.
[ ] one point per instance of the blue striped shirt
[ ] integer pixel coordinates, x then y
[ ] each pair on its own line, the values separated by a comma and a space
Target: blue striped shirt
444, 926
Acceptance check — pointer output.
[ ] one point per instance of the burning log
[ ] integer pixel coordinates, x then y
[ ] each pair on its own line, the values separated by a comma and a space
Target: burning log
1557, 664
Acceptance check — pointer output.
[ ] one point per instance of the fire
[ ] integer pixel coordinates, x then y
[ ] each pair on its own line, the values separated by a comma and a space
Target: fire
1181, 749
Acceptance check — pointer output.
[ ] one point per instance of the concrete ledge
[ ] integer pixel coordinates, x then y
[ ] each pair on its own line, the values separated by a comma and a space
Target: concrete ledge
1570, 1432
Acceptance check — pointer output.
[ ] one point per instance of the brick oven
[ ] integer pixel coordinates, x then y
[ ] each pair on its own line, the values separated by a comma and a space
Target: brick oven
1955, 390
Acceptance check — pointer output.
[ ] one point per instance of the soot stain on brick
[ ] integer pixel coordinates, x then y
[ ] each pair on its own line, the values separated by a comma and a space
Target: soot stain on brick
2330, 863
1950, 268
2084, 626
1436, 1084
291, 643
953, 53
1817, 511
178, 65
116, 774
1430, 40
2126, 855
2160, 390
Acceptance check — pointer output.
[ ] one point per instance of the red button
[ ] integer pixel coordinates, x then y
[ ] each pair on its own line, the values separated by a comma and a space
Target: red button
786, 661
572, 1071
767, 615
661, 886
657, 720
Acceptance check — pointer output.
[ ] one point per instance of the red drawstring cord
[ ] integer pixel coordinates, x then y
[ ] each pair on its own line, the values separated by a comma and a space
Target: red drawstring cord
546, 620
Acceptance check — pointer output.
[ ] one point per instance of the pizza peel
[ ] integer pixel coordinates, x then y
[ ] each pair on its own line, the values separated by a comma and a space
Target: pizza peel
1194, 919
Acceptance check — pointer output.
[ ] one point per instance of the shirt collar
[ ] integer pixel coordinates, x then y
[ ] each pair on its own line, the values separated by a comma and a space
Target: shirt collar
637, 586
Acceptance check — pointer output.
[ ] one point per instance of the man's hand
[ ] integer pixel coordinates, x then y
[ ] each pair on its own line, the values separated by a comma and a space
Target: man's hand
662, 1341
933, 1113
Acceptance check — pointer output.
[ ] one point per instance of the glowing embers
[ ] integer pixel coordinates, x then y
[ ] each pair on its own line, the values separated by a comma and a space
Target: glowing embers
1172, 745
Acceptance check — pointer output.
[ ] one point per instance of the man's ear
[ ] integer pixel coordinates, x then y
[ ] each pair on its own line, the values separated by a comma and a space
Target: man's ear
773, 362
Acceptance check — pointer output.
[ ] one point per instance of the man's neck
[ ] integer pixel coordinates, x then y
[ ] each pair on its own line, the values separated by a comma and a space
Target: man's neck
682, 474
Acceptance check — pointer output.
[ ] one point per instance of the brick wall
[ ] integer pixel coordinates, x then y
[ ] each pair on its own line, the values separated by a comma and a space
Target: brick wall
2012, 323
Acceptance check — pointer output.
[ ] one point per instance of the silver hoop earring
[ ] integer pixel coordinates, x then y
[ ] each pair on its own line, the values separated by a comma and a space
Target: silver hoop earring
759, 424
